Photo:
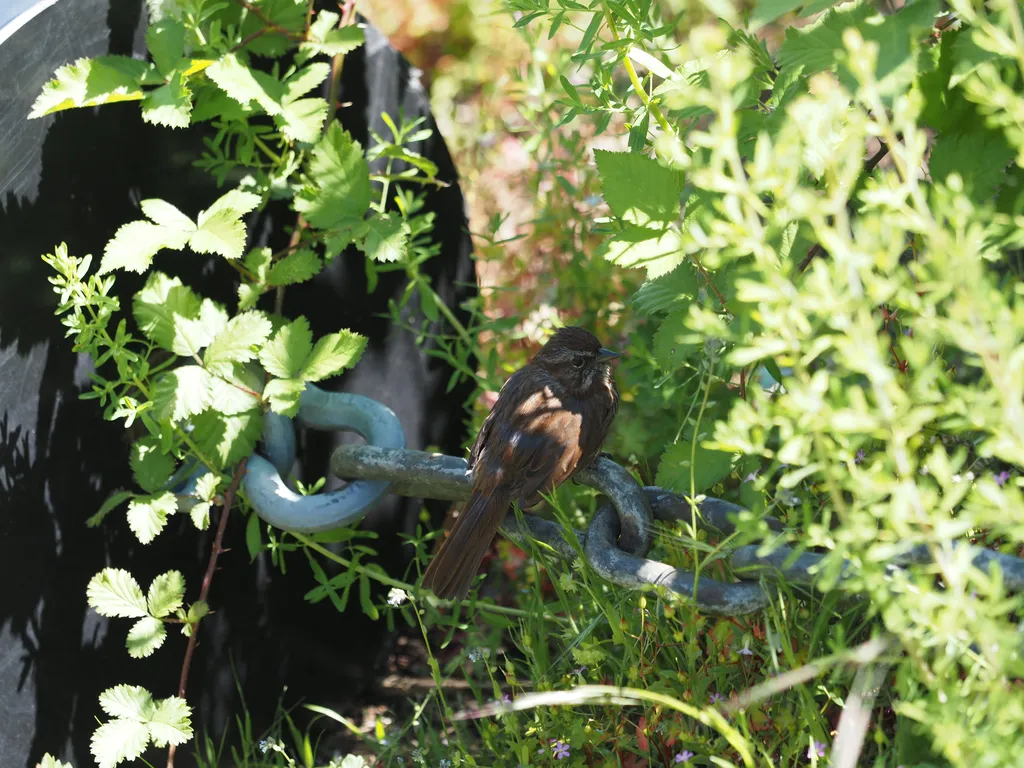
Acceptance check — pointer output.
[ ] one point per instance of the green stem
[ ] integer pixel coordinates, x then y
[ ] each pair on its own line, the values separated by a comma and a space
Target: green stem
267, 150
412, 589
637, 86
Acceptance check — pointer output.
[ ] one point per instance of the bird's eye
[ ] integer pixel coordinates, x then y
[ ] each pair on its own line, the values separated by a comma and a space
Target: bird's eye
579, 362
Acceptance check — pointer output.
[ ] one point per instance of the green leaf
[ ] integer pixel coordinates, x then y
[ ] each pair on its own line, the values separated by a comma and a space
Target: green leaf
303, 119
339, 194
49, 761
113, 501
170, 105
227, 439
671, 346
166, 42
819, 46
297, 267
222, 233
979, 157
328, 39
709, 467
114, 593
171, 723
166, 215
669, 292
245, 85
135, 244
333, 354
305, 80
160, 306
231, 392
386, 239
127, 702
147, 515
166, 593
253, 539
237, 201
117, 741
283, 395
284, 355
200, 514
150, 465
181, 393
657, 251
91, 82
768, 11
237, 342
145, 637
206, 486
638, 189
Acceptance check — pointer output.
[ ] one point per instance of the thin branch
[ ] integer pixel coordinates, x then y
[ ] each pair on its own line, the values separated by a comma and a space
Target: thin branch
869, 166
204, 591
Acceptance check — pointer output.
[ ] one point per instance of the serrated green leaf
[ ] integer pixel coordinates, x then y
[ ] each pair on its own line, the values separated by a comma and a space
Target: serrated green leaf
112, 502
768, 11
302, 119
117, 741
147, 515
671, 346
284, 355
244, 85
128, 702
237, 342
709, 467
171, 723
166, 215
340, 176
192, 334
170, 105
668, 292
134, 245
206, 486
639, 189
980, 157
332, 354
237, 202
283, 395
166, 593
150, 465
161, 305
181, 393
91, 82
328, 39
166, 42
659, 252
235, 391
296, 267
386, 238
227, 439
222, 233
49, 761
200, 514
114, 593
145, 637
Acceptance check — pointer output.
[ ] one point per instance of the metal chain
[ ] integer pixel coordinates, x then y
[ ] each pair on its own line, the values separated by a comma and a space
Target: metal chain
615, 543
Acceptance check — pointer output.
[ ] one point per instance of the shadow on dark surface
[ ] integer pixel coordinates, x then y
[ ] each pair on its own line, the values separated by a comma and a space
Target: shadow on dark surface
76, 178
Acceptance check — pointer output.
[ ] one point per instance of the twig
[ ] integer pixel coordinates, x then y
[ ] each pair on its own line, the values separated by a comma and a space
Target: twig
204, 591
869, 166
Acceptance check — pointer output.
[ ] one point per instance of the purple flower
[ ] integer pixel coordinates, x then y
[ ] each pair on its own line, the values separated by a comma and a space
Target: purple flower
1002, 477
579, 670
506, 699
683, 757
745, 651
717, 697
752, 476
559, 749
860, 457
816, 748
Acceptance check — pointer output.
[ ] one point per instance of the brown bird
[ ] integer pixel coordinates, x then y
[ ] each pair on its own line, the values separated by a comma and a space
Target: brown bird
550, 420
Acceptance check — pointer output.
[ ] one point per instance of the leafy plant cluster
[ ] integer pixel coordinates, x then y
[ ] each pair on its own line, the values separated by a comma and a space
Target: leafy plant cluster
193, 376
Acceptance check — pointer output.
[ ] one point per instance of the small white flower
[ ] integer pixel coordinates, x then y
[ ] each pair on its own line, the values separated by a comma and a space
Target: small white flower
396, 597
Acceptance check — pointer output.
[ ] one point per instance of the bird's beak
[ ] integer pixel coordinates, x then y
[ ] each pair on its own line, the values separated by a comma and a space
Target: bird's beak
606, 354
